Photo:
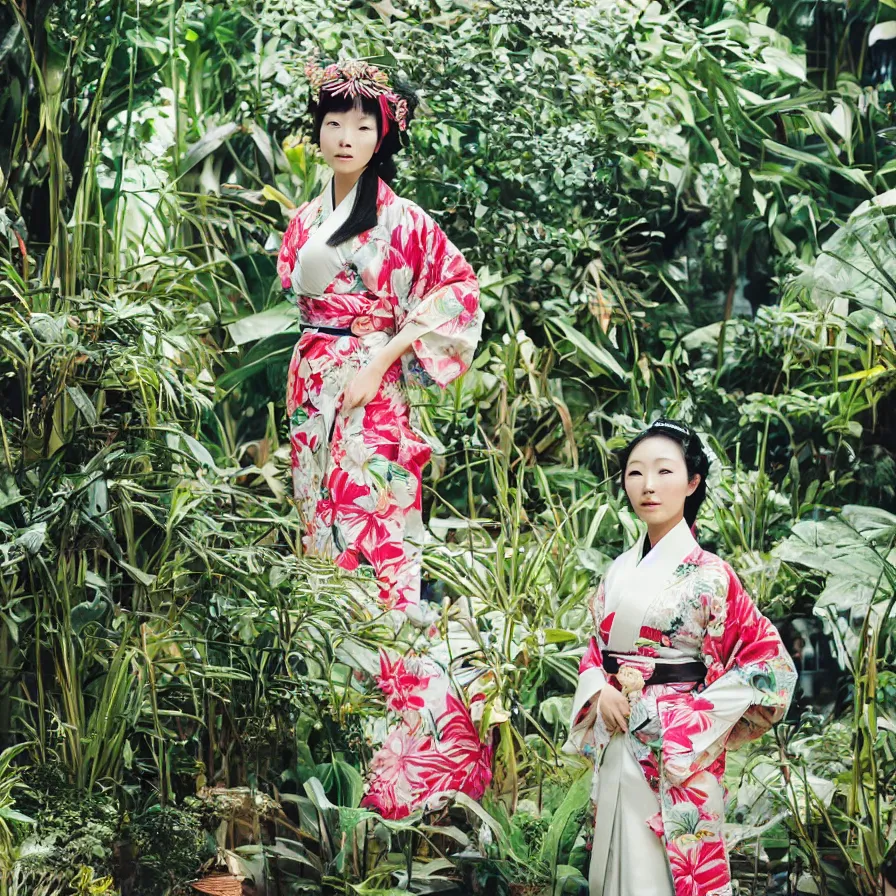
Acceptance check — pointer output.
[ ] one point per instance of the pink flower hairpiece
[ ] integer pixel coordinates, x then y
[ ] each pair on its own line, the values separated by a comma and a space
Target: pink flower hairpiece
357, 78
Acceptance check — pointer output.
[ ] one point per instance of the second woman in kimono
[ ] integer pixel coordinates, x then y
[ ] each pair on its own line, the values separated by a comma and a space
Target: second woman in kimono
385, 300
683, 667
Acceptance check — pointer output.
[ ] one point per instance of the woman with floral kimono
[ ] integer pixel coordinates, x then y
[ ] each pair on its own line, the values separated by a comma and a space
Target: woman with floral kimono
683, 667
385, 300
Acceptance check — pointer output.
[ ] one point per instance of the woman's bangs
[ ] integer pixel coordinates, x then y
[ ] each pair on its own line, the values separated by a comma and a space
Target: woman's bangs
330, 103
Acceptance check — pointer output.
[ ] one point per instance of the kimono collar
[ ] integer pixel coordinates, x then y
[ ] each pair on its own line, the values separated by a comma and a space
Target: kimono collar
323, 203
673, 547
632, 583
320, 209
326, 198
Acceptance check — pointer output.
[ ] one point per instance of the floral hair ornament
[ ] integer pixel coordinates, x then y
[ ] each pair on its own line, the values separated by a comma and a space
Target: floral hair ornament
357, 78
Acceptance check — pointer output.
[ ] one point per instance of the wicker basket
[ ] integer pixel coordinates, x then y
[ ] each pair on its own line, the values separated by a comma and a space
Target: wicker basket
219, 885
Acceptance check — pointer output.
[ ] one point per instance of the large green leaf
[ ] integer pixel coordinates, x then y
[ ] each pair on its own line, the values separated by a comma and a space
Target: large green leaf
211, 141
600, 356
273, 350
279, 319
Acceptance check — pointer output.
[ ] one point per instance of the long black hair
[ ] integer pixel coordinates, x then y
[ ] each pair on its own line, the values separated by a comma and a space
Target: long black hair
695, 458
382, 165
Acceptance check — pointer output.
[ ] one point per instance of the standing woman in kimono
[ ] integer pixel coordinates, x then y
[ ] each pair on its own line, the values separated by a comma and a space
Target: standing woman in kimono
682, 668
385, 300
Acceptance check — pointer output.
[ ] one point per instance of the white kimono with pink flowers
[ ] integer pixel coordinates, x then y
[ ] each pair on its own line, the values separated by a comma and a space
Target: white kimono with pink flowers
357, 475
658, 788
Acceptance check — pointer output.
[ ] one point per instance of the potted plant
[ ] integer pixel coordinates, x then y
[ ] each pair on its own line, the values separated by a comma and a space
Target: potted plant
535, 850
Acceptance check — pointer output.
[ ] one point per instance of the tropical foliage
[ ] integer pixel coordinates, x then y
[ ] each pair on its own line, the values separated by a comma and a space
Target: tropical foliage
685, 208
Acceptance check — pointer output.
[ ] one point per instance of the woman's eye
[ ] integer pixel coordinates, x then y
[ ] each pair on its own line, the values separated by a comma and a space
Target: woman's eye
365, 127
665, 471
634, 473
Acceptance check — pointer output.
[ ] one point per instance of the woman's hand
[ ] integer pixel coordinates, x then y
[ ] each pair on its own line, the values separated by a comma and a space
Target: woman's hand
614, 708
364, 386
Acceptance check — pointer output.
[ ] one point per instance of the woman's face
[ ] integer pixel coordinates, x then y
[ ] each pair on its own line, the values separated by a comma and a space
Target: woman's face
348, 140
656, 481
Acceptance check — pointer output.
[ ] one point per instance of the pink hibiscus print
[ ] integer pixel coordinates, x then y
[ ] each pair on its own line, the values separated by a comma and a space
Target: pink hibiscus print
396, 769
465, 762
410, 254
370, 529
402, 688
698, 868
292, 239
696, 790
686, 714
682, 716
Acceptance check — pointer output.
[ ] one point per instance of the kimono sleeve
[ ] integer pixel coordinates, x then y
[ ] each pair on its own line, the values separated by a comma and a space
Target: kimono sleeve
293, 239
591, 681
442, 297
750, 682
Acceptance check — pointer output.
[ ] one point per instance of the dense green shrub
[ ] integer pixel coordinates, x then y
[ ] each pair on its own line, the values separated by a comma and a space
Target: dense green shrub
686, 209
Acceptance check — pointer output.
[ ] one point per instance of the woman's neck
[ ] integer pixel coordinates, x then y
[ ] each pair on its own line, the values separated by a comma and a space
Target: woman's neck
343, 184
655, 534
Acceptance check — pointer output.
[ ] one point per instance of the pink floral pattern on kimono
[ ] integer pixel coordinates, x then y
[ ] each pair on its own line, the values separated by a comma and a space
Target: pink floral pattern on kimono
679, 733
433, 749
357, 475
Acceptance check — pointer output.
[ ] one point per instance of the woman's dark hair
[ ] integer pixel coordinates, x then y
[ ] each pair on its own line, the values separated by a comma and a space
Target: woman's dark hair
695, 458
889, 867
382, 165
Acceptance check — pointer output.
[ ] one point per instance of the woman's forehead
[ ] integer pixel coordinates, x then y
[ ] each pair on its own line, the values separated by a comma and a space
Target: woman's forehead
656, 448
349, 113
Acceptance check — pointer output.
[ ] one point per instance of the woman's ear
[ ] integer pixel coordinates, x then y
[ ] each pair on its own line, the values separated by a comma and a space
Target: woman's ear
694, 483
